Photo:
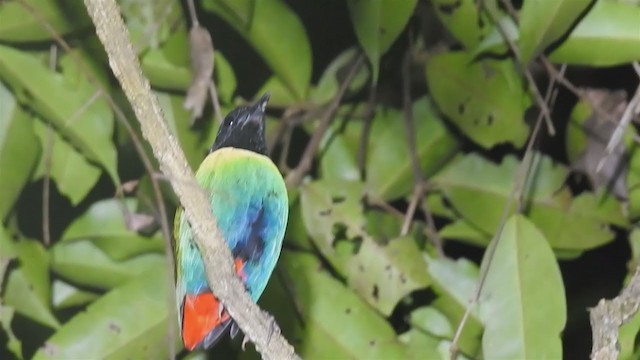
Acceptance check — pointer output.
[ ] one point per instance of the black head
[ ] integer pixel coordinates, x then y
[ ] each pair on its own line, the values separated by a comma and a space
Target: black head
244, 128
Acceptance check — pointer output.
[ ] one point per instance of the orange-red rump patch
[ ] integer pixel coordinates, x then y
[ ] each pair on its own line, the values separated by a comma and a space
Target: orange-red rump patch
199, 317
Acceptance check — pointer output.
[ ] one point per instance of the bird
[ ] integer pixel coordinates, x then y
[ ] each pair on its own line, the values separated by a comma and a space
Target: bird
249, 202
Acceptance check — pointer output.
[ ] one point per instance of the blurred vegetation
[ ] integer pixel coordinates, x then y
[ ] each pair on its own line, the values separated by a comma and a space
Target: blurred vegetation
403, 130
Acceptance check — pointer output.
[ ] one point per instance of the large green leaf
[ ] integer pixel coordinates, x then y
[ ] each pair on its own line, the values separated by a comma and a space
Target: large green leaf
608, 35
389, 167
16, 137
382, 274
105, 224
69, 102
377, 24
479, 189
543, 22
333, 75
21, 24
28, 288
65, 295
84, 263
167, 67
129, 322
337, 324
7, 253
522, 304
484, 99
265, 24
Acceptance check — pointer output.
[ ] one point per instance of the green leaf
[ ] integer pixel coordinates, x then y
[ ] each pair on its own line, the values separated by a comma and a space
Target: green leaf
73, 174
463, 20
28, 288
627, 338
485, 99
84, 263
265, 24
129, 322
377, 24
65, 295
326, 307
69, 102
543, 22
382, 274
522, 304
16, 137
105, 225
333, 75
21, 24
225, 78
14, 345
478, 189
150, 22
337, 161
608, 35
432, 321
461, 230
455, 281
389, 168
420, 345
168, 67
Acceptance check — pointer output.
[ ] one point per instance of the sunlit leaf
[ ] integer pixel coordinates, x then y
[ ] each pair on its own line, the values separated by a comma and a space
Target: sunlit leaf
432, 321
65, 295
265, 24
21, 23
485, 99
608, 35
16, 137
543, 22
377, 24
522, 304
130, 321
150, 22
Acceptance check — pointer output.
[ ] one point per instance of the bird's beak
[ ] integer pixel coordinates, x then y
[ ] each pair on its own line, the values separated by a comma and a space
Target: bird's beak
261, 105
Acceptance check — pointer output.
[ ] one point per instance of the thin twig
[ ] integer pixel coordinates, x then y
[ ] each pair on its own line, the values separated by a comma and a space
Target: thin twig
47, 157
258, 326
295, 176
419, 187
516, 53
632, 111
192, 13
369, 112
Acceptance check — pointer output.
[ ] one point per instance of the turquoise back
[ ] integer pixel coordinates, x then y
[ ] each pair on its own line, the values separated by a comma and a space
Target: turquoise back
249, 201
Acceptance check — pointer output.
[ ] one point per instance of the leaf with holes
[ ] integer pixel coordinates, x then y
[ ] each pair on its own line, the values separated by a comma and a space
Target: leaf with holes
381, 273
463, 20
522, 304
377, 24
484, 99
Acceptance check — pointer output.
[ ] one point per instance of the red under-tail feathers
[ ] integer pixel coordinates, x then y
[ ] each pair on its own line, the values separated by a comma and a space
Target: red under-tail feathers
201, 314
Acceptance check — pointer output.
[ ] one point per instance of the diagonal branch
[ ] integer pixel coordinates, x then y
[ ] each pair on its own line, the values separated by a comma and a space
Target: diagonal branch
258, 326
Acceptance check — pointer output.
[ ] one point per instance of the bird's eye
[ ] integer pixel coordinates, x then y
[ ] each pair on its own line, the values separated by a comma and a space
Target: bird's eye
231, 123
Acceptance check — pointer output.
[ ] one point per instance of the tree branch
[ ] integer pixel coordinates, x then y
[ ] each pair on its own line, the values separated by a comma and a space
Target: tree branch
258, 326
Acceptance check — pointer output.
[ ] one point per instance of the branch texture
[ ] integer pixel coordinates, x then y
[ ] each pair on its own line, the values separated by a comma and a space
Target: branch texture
258, 326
